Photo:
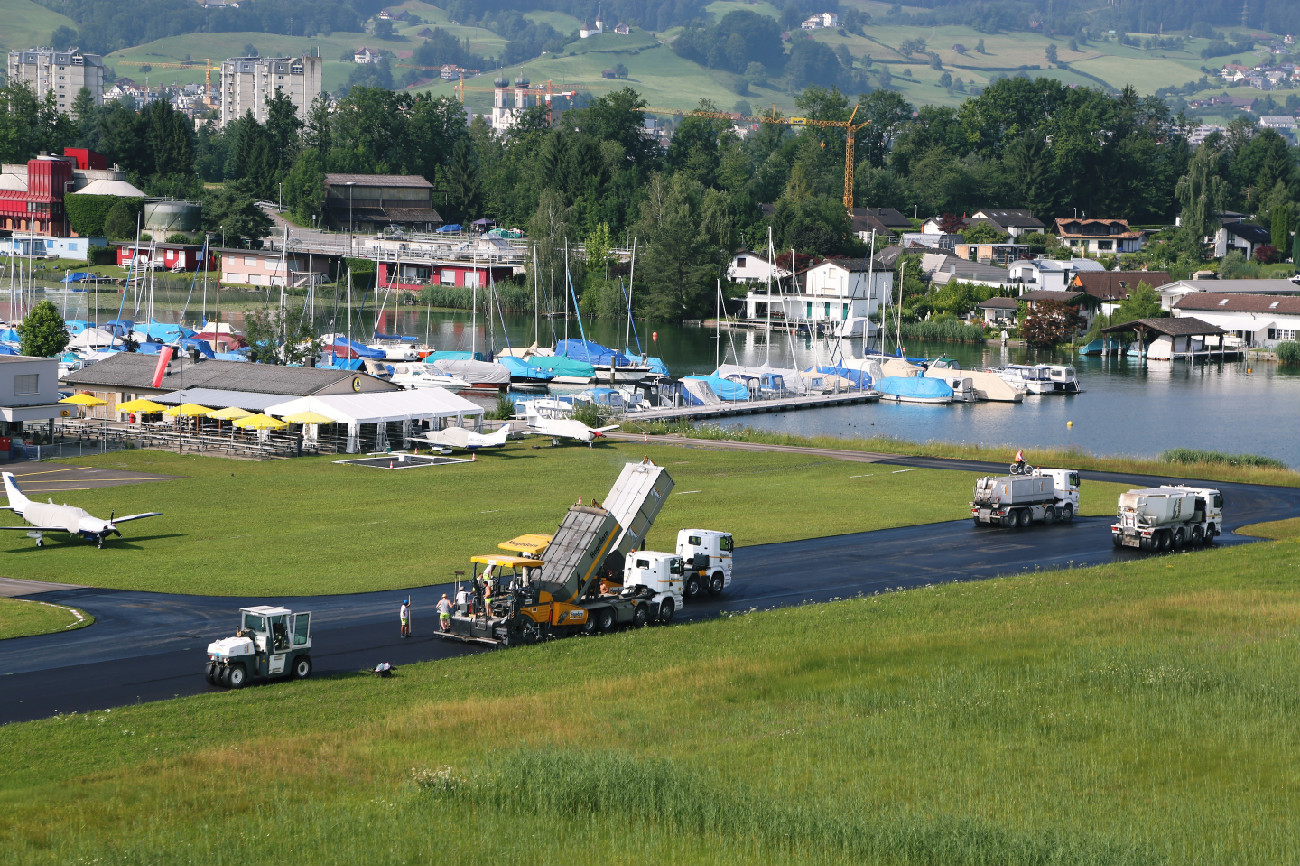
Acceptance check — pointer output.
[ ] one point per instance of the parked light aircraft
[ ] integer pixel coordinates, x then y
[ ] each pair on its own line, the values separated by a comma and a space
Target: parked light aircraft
569, 428
47, 517
464, 440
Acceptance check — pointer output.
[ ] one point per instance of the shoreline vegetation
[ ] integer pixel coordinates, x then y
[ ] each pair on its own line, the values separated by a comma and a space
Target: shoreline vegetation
1176, 463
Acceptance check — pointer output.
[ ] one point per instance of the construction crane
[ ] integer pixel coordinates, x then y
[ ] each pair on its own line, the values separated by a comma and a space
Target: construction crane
460, 86
847, 125
206, 66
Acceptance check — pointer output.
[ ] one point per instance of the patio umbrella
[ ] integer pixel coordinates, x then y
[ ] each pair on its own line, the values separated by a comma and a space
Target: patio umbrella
140, 405
259, 422
83, 400
187, 410
309, 418
230, 413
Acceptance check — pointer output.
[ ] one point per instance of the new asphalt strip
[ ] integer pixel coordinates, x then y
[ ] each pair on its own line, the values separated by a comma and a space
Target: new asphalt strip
151, 646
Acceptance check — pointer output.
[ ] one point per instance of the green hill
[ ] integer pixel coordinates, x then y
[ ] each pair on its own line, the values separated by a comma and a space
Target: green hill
27, 25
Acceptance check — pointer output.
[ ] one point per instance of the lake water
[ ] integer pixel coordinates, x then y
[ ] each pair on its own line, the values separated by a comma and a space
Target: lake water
1126, 408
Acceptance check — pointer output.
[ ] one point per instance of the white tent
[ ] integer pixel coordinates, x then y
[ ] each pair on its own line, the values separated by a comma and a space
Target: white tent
119, 188
437, 406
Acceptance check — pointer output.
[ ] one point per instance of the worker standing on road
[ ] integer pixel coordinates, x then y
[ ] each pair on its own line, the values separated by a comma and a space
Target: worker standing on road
406, 617
444, 613
462, 600
487, 591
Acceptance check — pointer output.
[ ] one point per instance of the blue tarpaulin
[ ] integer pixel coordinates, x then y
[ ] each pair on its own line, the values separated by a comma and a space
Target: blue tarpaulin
860, 378
726, 389
592, 353
448, 229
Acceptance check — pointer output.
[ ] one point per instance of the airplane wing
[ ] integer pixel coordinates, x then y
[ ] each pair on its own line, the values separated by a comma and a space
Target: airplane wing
30, 528
136, 516
606, 428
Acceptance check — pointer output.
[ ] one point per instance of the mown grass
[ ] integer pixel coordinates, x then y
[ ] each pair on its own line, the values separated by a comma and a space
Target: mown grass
22, 617
1124, 714
308, 526
1244, 469
1274, 529
28, 24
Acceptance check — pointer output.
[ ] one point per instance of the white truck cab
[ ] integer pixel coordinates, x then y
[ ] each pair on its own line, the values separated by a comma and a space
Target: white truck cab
706, 557
661, 574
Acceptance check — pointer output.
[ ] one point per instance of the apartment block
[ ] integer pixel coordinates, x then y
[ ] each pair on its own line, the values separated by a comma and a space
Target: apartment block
62, 73
248, 82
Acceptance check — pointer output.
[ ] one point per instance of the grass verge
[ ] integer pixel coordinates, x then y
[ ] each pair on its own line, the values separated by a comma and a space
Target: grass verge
1122, 714
1211, 465
311, 527
21, 617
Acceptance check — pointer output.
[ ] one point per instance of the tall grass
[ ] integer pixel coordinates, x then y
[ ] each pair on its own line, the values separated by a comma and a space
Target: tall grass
1288, 352
1195, 456
944, 328
1139, 712
513, 297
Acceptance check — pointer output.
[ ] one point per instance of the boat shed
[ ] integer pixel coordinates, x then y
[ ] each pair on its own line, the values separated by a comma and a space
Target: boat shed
1165, 339
418, 411
128, 375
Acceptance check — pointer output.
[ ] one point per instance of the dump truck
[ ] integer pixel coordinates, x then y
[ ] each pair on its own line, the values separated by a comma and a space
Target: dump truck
270, 642
1168, 517
1045, 496
573, 586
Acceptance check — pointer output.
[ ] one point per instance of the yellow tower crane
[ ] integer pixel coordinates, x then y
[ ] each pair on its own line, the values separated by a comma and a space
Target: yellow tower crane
460, 85
847, 125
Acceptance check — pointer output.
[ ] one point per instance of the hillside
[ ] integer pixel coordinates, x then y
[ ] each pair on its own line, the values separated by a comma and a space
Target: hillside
27, 25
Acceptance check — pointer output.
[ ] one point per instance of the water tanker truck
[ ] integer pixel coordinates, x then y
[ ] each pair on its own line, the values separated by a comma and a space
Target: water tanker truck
1168, 517
1046, 496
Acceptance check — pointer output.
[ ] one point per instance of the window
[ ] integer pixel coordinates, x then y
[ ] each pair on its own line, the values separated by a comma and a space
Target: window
447, 278
740, 261
250, 261
29, 383
726, 544
301, 629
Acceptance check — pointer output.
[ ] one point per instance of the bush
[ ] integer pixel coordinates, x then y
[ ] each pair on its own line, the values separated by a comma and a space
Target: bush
102, 256
1288, 352
503, 411
178, 238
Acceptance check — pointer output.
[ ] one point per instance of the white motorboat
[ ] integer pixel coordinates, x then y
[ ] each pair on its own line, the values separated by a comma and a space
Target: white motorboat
421, 375
1042, 378
982, 384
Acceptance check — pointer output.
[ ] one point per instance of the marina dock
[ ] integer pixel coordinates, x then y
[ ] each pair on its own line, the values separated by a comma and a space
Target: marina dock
753, 407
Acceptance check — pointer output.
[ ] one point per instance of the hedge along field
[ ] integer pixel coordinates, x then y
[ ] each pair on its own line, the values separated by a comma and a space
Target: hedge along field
309, 526
1141, 713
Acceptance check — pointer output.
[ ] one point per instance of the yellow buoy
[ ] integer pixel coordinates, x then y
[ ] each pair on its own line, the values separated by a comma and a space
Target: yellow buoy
1069, 423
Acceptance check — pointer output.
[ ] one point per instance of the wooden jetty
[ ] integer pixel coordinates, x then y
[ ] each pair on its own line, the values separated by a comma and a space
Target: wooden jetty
753, 407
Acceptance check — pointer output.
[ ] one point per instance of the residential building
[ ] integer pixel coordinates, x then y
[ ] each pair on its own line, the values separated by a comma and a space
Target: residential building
62, 73
750, 267
829, 294
365, 55
168, 257
1242, 237
415, 272
1172, 293
248, 82
272, 268
1050, 274
1010, 221
366, 203
995, 254
943, 267
1099, 237
884, 220
29, 392
1108, 289
999, 311
1257, 319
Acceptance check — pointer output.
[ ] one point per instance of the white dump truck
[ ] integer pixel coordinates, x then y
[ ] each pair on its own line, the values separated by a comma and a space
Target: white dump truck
1168, 517
1045, 496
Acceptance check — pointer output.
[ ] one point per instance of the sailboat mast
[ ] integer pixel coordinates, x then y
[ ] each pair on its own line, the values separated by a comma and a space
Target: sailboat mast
536, 311
473, 320
767, 327
631, 281
717, 328
566, 289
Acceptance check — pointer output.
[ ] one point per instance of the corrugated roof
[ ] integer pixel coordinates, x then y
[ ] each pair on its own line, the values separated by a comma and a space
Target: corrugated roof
134, 371
414, 181
215, 398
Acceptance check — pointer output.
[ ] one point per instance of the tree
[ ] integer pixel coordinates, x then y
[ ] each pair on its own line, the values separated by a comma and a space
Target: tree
1143, 302
951, 224
1050, 53
1049, 323
1202, 192
231, 209
120, 222
1280, 227
43, 332
983, 233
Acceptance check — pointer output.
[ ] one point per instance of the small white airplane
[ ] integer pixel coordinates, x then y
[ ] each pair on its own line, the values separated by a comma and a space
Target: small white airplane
47, 517
464, 440
568, 428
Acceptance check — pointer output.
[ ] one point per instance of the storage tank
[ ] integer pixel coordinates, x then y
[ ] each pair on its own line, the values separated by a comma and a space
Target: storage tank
172, 216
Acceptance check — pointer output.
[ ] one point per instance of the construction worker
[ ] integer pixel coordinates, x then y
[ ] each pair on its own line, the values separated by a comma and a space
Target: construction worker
406, 617
487, 590
444, 613
462, 600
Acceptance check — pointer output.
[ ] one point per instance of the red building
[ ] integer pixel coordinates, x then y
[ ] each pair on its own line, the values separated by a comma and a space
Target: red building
415, 276
39, 208
87, 160
169, 257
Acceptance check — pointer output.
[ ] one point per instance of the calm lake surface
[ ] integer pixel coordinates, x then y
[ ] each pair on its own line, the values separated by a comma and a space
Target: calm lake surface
1126, 408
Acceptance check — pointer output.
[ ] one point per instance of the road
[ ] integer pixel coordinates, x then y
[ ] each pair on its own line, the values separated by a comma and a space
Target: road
149, 646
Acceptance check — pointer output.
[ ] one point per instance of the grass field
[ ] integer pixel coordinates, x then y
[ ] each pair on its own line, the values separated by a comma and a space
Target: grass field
19, 617
28, 25
309, 527
1137, 714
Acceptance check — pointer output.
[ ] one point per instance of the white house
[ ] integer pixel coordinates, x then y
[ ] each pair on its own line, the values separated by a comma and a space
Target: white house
833, 293
1099, 237
365, 55
1258, 320
1172, 293
1049, 274
1243, 237
750, 267
29, 392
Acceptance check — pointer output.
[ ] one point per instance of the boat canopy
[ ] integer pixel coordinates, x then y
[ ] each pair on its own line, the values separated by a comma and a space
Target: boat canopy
394, 338
352, 349
921, 387
448, 229
592, 353
859, 378
523, 369
725, 389
168, 333
558, 365
449, 355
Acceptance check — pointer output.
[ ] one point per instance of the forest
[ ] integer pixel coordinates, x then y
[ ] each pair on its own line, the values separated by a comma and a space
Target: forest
1022, 143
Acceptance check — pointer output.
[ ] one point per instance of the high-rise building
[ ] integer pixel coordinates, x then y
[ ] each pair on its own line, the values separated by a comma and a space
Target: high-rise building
248, 82
62, 73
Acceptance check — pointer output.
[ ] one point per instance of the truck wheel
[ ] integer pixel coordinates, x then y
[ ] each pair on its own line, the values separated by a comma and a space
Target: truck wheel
223, 676
1022, 518
1162, 540
976, 521
606, 620
715, 584
1067, 512
589, 627
666, 611
1210, 532
211, 673
1147, 543
639, 616
692, 586
237, 676
302, 667
1198, 535
1117, 540
1179, 538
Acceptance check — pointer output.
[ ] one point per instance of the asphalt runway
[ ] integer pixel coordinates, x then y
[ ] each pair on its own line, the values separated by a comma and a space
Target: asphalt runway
150, 646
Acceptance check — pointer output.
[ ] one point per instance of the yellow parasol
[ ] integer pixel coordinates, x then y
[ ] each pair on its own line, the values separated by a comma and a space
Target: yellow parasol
140, 405
310, 418
187, 410
259, 422
230, 413
83, 400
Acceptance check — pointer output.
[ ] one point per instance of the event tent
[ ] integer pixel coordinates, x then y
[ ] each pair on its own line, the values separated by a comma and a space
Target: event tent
435, 407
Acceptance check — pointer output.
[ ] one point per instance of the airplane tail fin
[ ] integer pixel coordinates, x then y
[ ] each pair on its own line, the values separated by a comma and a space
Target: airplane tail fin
500, 437
16, 497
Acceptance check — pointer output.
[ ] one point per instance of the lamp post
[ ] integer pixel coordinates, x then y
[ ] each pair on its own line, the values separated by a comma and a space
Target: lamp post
350, 184
280, 184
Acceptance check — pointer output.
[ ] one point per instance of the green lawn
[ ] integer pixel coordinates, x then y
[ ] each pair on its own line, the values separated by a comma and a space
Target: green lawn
21, 617
1135, 714
28, 25
309, 526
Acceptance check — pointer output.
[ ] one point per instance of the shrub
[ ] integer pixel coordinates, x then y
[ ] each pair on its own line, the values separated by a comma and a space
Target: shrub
1195, 455
178, 238
1288, 352
512, 297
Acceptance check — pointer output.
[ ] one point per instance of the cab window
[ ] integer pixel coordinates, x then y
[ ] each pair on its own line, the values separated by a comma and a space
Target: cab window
301, 628
1074, 479
726, 544
643, 563
1218, 500
279, 632
694, 540
254, 622
675, 567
